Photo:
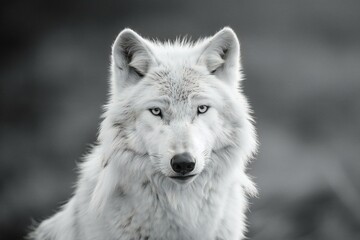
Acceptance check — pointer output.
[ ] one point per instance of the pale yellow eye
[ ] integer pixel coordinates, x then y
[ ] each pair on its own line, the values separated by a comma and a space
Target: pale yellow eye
202, 109
155, 111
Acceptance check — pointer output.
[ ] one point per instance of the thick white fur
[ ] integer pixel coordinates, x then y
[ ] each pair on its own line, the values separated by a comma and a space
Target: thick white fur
124, 190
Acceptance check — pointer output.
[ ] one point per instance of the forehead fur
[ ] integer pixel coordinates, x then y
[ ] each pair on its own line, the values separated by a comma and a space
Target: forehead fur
177, 83
178, 51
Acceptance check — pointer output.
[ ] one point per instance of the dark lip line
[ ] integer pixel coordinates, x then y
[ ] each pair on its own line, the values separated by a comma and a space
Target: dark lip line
183, 177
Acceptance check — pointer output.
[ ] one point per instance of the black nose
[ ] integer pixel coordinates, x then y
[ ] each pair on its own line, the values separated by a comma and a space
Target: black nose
183, 163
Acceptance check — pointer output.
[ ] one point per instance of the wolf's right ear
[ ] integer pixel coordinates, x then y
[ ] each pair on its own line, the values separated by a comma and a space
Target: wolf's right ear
131, 57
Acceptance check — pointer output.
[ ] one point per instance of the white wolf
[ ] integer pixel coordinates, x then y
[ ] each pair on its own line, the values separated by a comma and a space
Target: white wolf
170, 163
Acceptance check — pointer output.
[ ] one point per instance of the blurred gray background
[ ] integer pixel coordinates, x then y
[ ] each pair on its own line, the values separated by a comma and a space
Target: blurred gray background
302, 65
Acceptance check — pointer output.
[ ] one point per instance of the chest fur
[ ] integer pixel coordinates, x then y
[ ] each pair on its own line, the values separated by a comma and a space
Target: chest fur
150, 213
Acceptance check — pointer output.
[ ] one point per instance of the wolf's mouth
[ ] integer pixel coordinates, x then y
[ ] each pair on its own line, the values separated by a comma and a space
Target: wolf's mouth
182, 177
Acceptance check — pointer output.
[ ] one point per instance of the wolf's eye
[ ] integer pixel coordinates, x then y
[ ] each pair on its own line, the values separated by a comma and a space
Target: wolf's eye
202, 109
155, 111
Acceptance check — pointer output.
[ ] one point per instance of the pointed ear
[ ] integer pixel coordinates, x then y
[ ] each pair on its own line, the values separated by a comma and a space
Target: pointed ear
131, 56
221, 54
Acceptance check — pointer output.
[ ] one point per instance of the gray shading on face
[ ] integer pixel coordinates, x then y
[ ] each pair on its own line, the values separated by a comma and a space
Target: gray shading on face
178, 86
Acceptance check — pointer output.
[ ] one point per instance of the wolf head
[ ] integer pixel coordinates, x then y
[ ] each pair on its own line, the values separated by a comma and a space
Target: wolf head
178, 103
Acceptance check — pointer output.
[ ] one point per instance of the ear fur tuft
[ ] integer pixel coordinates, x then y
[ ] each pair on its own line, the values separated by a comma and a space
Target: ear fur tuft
222, 52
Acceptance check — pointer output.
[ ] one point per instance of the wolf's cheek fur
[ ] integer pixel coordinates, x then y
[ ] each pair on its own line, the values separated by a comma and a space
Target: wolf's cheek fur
149, 129
155, 138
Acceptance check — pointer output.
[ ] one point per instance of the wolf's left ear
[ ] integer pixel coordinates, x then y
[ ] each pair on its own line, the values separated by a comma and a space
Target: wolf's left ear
221, 54
131, 57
